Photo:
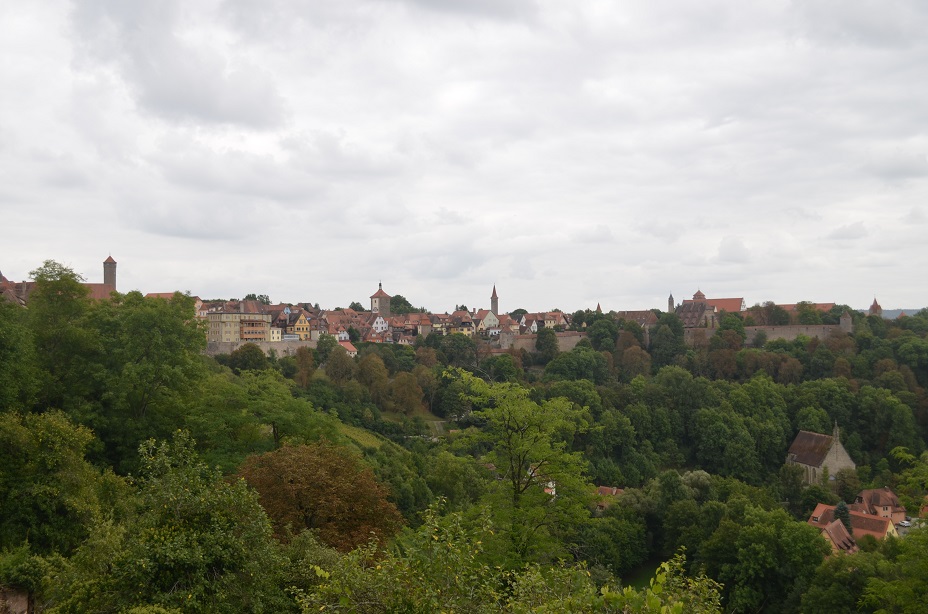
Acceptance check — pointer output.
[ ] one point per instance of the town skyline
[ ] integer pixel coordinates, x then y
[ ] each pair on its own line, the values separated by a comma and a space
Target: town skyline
472, 305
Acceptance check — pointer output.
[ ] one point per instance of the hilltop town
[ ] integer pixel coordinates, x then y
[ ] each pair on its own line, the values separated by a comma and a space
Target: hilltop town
392, 319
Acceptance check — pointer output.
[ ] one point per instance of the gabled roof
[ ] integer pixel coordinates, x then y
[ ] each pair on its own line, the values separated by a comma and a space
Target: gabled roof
840, 539
731, 305
100, 292
810, 448
692, 314
879, 497
643, 318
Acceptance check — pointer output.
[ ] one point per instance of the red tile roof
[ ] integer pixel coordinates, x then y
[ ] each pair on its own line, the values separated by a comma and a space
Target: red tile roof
840, 539
861, 524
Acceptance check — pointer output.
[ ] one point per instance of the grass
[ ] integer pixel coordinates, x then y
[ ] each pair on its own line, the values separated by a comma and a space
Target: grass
640, 577
361, 436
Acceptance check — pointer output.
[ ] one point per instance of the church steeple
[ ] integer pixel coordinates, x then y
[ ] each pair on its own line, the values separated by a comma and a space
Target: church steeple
494, 302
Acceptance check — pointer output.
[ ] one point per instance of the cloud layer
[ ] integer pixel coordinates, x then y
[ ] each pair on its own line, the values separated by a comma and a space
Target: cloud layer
570, 153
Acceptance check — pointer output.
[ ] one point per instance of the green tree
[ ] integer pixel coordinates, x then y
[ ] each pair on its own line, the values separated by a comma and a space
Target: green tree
248, 357
807, 313
541, 493
50, 495
399, 304
840, 581
667, 342
459, 350
603, 334
264, 299
764, 559
19, 375
66, 349
198, 544
340, 367
844, 515
305, 367
904, 587
406, 393
324, 347
373, 374
546, 345
579, 363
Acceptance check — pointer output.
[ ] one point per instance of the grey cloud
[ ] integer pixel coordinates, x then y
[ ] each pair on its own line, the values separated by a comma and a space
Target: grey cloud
880, 23
499, 9
733, 250
600, 233
170, 76
915, 216
899, 165
848, 232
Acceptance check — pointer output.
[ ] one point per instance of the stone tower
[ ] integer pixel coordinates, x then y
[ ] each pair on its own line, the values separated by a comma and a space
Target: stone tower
670, 305
847, 324
109, 272
380, 301
875, 309
494, 302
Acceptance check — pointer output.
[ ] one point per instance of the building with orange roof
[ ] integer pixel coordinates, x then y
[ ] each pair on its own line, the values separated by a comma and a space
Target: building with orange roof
879, 502
839, 538
20, 291
861, 524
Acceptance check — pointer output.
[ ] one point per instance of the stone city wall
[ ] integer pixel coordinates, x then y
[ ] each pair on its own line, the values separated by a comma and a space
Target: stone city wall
566, 341
281, 348
699, 337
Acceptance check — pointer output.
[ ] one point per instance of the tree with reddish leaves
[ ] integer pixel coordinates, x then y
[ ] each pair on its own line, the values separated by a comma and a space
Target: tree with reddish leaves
325, 488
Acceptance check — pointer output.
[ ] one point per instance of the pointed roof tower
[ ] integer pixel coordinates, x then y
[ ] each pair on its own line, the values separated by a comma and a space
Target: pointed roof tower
494, 302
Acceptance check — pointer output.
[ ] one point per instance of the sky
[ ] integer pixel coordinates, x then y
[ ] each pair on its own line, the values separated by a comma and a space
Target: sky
571, 153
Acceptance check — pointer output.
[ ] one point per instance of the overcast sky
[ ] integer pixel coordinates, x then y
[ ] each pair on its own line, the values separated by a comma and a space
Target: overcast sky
572, 153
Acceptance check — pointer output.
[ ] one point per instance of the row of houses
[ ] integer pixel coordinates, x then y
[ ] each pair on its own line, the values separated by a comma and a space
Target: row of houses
252, 320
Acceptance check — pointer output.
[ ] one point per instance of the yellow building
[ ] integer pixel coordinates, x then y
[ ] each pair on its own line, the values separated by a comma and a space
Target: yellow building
238, 326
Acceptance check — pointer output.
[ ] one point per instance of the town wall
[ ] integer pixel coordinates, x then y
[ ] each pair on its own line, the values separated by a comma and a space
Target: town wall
281, 348
566, 341
699, 337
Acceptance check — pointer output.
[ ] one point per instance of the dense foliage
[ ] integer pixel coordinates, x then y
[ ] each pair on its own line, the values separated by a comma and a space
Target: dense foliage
137, 474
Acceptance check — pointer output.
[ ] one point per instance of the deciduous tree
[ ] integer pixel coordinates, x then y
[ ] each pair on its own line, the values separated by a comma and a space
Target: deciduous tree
324, 488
